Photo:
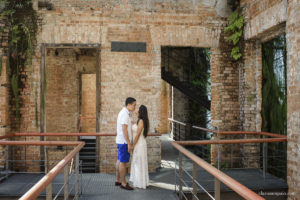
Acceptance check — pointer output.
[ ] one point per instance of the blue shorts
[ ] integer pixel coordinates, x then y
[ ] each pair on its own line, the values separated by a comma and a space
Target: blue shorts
123, 155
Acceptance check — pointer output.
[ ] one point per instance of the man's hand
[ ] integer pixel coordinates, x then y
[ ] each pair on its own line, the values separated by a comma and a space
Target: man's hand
130, 148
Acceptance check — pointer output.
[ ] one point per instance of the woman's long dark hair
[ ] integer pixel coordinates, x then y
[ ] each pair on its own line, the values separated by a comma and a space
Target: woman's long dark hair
143, 115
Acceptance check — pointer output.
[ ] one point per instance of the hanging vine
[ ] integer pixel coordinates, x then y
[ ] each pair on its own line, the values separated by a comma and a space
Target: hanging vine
22, 27
235, 28
274, 100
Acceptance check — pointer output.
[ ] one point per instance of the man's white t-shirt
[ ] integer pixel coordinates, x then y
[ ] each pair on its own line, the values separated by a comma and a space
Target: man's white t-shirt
123, 118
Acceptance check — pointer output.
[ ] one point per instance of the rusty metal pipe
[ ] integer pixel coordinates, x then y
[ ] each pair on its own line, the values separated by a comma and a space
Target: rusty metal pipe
74, 134
251, 132
39, 143
7, 136
235, 141
236, 132
230, 182
38, 188
271, 134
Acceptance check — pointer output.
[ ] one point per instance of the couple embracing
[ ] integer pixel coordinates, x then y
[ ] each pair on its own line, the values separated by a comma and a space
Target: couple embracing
131, 139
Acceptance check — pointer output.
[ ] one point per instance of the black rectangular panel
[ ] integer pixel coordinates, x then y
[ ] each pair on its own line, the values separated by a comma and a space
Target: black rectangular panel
128, 46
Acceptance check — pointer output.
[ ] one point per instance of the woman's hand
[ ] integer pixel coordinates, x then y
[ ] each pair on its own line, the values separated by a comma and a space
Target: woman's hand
130, 148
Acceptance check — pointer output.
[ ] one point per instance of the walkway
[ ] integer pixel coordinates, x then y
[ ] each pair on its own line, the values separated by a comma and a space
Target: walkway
101, 186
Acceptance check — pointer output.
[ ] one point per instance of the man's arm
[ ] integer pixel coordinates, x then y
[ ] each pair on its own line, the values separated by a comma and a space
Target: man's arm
125, 132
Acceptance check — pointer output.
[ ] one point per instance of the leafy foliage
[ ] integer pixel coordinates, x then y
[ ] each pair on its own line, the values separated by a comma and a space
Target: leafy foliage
235, 28
274, 100
22, 26
200, 80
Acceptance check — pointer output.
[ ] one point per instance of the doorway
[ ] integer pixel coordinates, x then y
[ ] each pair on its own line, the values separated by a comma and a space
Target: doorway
87, 122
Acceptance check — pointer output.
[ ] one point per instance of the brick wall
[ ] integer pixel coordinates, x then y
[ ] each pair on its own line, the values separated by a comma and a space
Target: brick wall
4, 90
250, 99
64, 100
158, 23
264, 21
224, 97
88, 103
163, 126
63, 69
293, 98
262, 16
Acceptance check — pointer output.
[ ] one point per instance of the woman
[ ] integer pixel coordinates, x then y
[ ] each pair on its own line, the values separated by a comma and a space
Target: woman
139, 164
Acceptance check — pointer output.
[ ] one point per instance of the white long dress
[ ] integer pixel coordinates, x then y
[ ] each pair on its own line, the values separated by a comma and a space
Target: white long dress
139, 164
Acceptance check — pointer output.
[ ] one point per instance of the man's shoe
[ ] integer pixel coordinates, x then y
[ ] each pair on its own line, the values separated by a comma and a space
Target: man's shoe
127, 187
117, 183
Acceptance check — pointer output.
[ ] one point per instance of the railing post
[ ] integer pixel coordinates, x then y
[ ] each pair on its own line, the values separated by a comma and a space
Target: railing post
66, 182
217, 189
77, 176
175, 132
194, 181
179, 133
49, 187
180, 175
231, 155
6, 161
188, 130
175, 178
218, 156
265, 150
49, 192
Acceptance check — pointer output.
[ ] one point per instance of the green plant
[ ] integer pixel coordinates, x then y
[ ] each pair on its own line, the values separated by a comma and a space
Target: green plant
15, 89
274, 82
224, 165
200, 80
235, 28
21, 23
274, 100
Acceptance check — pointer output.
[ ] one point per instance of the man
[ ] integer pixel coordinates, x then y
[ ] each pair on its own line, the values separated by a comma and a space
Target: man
123, 143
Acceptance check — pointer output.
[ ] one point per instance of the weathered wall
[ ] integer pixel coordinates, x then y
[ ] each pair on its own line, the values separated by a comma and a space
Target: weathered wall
63, 69
4, 90
88, 103
158, 23
293, 98
264, 21
262, 16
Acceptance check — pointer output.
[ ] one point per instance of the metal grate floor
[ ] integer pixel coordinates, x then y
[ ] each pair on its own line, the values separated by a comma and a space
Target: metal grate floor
101, 186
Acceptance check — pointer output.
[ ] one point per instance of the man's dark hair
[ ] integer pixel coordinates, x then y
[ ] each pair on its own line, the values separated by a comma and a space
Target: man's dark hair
129, 100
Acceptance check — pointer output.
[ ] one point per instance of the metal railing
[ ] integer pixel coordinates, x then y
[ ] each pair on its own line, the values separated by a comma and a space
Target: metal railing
184, 131
69, 164
46, 181
213, 159
218, 175
238, 155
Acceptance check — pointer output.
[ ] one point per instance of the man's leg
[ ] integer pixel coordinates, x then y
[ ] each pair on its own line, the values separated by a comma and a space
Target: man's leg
122, 170
118, 171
